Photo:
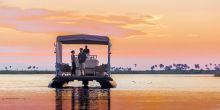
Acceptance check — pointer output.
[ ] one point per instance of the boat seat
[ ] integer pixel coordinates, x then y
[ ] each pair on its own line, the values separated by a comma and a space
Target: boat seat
91, 63
90, 66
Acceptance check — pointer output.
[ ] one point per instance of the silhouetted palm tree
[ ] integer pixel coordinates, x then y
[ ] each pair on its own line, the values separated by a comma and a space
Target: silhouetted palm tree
217, 68
185, 66
174, 65
210, 65
34, 67
188, 67
197, 66
168, 68
161, 66
29, 67
207, 67
155, 67
135, 65
152, 68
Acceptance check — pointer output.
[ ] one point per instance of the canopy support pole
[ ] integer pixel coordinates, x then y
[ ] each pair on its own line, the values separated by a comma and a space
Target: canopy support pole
109, 59
58, 57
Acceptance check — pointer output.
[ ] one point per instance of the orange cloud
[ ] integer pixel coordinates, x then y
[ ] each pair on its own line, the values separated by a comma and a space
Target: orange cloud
47, 21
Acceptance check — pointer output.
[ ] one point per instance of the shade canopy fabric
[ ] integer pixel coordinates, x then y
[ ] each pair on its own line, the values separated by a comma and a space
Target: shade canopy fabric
83, 39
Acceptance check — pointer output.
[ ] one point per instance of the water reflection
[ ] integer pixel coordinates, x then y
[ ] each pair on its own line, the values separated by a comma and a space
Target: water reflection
82, 99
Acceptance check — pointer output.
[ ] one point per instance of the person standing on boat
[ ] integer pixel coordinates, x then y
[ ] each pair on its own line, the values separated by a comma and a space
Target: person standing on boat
73, 60
86, 51
82, 59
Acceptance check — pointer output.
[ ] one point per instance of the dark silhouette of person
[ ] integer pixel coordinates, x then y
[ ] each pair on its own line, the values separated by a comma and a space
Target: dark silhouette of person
82, 59
73, 60
86, 50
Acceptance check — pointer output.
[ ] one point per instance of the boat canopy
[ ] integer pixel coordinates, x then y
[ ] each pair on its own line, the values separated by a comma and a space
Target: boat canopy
83, 39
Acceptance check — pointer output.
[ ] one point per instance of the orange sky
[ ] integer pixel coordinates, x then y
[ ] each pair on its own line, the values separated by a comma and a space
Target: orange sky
142, 31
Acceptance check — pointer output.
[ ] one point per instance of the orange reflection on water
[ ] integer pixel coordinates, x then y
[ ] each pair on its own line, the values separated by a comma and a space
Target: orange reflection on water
105, 99
165, 100
134, 92
27, 100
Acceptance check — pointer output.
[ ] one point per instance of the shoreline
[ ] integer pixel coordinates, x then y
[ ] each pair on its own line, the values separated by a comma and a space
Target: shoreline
216, 73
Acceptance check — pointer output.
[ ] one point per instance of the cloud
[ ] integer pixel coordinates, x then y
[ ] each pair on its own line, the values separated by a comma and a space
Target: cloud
136, 36
61, 22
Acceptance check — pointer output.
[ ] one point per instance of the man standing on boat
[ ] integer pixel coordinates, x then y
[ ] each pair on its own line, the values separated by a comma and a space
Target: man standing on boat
82, 59
86, 51
73, 59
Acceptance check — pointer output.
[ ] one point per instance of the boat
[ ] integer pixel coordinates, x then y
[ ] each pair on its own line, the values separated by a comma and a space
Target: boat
93, 71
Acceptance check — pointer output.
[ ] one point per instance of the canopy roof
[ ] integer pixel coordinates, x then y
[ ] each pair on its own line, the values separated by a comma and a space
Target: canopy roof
83, 39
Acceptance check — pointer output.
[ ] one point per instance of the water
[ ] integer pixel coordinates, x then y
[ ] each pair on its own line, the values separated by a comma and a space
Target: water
134, 92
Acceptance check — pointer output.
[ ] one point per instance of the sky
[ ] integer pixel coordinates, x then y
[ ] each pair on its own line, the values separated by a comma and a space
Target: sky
143, 32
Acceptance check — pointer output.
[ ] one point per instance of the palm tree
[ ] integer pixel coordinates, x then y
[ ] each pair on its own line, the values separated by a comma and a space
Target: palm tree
197, 66
155, 67
161, 66
29, 67
152, 68
168, 68
210, 65
34, 67
207, 67
188, 67
6, 68
174, 65
216, 68
185, 66
135, 65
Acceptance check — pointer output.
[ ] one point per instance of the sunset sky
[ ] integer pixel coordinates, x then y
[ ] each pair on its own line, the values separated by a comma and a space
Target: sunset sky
144, 32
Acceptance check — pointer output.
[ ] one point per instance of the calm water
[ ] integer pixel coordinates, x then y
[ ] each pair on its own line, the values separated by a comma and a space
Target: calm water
135, 92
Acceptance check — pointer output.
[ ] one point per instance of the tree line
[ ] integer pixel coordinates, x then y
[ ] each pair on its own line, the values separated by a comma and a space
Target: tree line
8, 68
185, 67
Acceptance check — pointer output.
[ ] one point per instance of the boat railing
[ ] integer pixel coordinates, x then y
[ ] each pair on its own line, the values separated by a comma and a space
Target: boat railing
89, 56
